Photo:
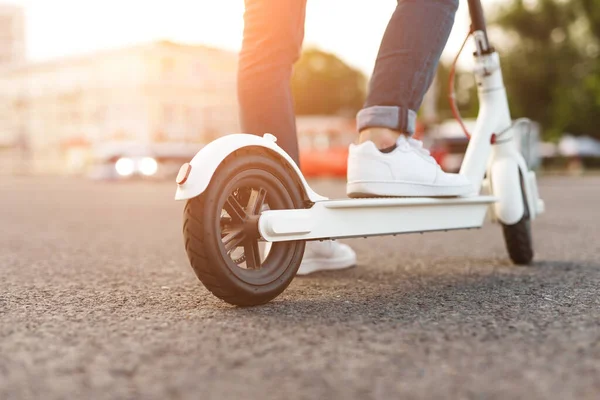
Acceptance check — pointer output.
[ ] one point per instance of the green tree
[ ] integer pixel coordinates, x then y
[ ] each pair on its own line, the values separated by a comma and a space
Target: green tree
323, 84
550, 63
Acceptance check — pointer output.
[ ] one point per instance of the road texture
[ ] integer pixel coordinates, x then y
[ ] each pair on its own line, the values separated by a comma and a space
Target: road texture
97, 301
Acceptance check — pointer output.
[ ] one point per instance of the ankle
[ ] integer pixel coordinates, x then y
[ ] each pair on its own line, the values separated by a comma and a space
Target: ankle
382, 137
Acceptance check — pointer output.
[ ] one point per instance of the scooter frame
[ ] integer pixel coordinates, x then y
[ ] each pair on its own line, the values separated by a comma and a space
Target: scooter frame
492, 163
244, 189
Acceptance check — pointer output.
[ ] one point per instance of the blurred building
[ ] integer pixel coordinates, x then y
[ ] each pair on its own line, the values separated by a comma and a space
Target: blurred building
55, 114
12, 35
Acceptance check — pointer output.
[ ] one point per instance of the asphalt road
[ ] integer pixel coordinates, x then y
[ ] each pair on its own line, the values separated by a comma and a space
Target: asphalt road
97, 301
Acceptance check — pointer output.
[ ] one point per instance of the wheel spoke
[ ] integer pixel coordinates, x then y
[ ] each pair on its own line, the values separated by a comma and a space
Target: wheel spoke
252, 254
257, 199
234, 209
225, 218
233, 238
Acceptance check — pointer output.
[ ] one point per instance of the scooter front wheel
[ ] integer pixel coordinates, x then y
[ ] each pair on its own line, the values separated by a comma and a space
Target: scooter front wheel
221, 234
518, 238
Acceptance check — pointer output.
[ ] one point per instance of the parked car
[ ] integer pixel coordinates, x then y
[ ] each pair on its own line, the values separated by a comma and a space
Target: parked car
448, 143
330, 162
125, 161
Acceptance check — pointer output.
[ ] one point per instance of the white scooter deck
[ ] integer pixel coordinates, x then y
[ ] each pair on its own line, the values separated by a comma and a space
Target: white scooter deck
346, 218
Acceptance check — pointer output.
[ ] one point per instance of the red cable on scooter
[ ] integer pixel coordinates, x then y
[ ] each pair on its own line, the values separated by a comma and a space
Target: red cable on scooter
451, 90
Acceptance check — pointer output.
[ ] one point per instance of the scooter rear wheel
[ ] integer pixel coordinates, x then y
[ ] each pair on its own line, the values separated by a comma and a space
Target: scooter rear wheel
518, 238
221, 235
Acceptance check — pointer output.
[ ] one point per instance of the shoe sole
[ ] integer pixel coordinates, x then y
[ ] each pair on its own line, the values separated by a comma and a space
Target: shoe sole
310, 266
402, 189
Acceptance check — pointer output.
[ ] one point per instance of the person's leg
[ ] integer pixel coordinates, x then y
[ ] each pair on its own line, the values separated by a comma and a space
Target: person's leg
406, 64
273, 35
387, 162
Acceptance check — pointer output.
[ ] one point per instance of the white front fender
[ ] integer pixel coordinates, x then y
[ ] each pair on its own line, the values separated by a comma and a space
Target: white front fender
506, 187
205, 163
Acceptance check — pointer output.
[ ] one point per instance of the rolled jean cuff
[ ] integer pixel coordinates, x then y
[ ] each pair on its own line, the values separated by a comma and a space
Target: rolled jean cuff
392, 117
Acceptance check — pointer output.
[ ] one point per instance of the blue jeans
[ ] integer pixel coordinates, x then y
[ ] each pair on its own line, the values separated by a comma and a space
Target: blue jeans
408, 56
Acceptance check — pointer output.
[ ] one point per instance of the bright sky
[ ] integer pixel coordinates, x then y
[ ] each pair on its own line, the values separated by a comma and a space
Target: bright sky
351, 29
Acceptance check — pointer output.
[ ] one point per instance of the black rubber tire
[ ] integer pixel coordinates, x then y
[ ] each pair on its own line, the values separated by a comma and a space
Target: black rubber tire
518, 238
202, 230
519, 242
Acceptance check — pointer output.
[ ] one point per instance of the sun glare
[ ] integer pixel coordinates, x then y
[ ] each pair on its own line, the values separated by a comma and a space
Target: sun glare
354, 34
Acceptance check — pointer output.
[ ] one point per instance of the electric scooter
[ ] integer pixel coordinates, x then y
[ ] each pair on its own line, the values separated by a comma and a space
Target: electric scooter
244, 190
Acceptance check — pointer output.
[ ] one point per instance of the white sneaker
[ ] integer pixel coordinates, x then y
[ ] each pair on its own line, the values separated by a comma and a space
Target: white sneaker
322, 256
327, 255
407, 171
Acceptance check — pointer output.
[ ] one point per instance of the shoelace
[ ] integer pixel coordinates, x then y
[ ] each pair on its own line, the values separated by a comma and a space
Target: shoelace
415, 144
